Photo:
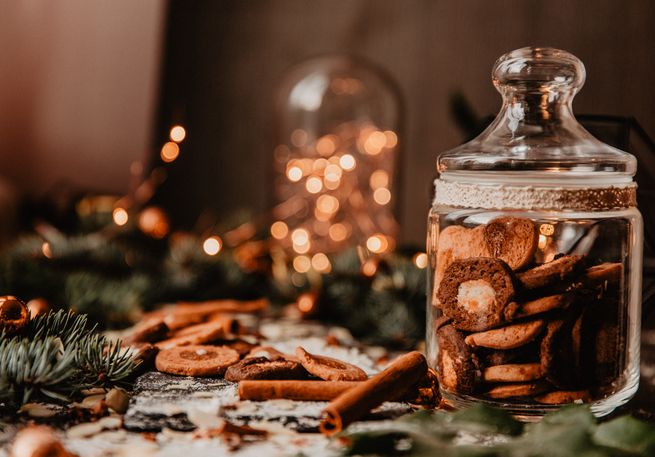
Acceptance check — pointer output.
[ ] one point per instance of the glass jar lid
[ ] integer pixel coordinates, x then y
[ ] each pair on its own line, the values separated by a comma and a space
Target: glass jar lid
535, 138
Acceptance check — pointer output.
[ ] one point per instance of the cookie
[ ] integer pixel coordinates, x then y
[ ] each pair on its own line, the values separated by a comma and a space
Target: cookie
513, 240
509, 337
264, 368
195, 334
527, 353
457, 243
519, 372
551, 273
458, 366
558, 359
271, 353
196, 360
538, 306
517, 390
564, 396
604, 272
147, 331
475, 292
328, 368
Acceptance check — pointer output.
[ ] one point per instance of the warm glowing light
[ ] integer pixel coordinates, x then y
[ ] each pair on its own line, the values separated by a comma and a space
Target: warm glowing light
547, 229
333, 173
178, 133
382, 196
153, 221
326, 145
302, 264
321, 263
45, 249
300, 236
347, 162
299, 138
314, 185
319, 165
279, 230
294, 174
392, 138
169, 152
421, 260
379, 178
338, 232
543, 241
120, 216
212, 245
377, 243
327, 204
375, 142
302, 248
369, 268
306, 303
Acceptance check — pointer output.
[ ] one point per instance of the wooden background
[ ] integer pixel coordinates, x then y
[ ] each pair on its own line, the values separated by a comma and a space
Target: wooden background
96, 97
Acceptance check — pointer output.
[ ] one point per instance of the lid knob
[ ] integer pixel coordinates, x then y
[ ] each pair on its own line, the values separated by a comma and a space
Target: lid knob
534, 69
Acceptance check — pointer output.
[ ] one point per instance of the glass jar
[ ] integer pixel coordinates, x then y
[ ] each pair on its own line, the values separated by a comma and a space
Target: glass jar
335, 162
535, 253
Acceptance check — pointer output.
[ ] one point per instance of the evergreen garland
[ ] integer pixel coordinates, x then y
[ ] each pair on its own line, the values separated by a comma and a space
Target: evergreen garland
57, 356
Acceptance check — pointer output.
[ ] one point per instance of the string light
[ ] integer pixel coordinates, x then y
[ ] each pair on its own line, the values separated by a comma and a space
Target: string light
294, 174
45, 250
382, 196
302, 264
321, 263
347, 162
279, 230
338, 232
212, 245
377, 243
120, 216
420, 260
177, 133
314, 185
169, 152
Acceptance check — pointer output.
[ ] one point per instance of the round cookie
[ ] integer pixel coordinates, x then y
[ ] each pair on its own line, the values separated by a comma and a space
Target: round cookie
264, 368
512, 239
196, 360
458, 366
328, 368
475, 292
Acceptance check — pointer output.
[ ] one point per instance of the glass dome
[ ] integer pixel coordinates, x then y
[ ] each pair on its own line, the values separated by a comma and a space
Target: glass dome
535, 135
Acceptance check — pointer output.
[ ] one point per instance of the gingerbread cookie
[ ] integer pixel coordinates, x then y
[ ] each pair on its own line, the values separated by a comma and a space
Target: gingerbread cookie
517, 390
195, 334
196, 360
564, 396
508, 337
459, 368
518, 372
328, 368
475, 292
551, 273
264, 368
538, 306
512, 239
148, 331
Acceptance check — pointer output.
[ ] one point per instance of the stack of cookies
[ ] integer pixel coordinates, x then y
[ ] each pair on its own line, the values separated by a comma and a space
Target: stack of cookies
513, 330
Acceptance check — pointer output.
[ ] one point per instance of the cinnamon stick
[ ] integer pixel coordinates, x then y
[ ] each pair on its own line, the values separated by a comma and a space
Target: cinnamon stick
393, 383
294, 390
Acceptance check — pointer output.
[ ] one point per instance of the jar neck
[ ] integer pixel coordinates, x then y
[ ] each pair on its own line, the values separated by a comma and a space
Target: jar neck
545, 109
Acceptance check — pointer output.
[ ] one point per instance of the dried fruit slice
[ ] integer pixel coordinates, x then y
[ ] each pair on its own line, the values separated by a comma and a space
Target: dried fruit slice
475, 292
509, 337
264, 368
328, 368
518, 372
196, 360
550, 273
564, 396
512, 239
458, 366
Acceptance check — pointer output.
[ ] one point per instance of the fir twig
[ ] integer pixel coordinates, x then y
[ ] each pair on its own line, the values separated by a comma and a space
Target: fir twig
66, 325
103, 363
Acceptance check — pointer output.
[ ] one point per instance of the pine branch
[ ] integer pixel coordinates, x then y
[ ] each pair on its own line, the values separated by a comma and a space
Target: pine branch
103, 363
66, 325
35, 367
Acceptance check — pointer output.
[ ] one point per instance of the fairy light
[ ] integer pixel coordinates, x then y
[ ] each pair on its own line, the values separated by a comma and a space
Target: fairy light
377, 243
169, 152
212, 245
379, 178
302, 264
298, 137
46, 250
321, 263
391, 138
375, 142
327, 204
300, 236
347, 162
420, 260
120, 216
294, 174
338, 232
326, 145
306, 303
314, 185
382, 196
369, 268
279, 230
177, 133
